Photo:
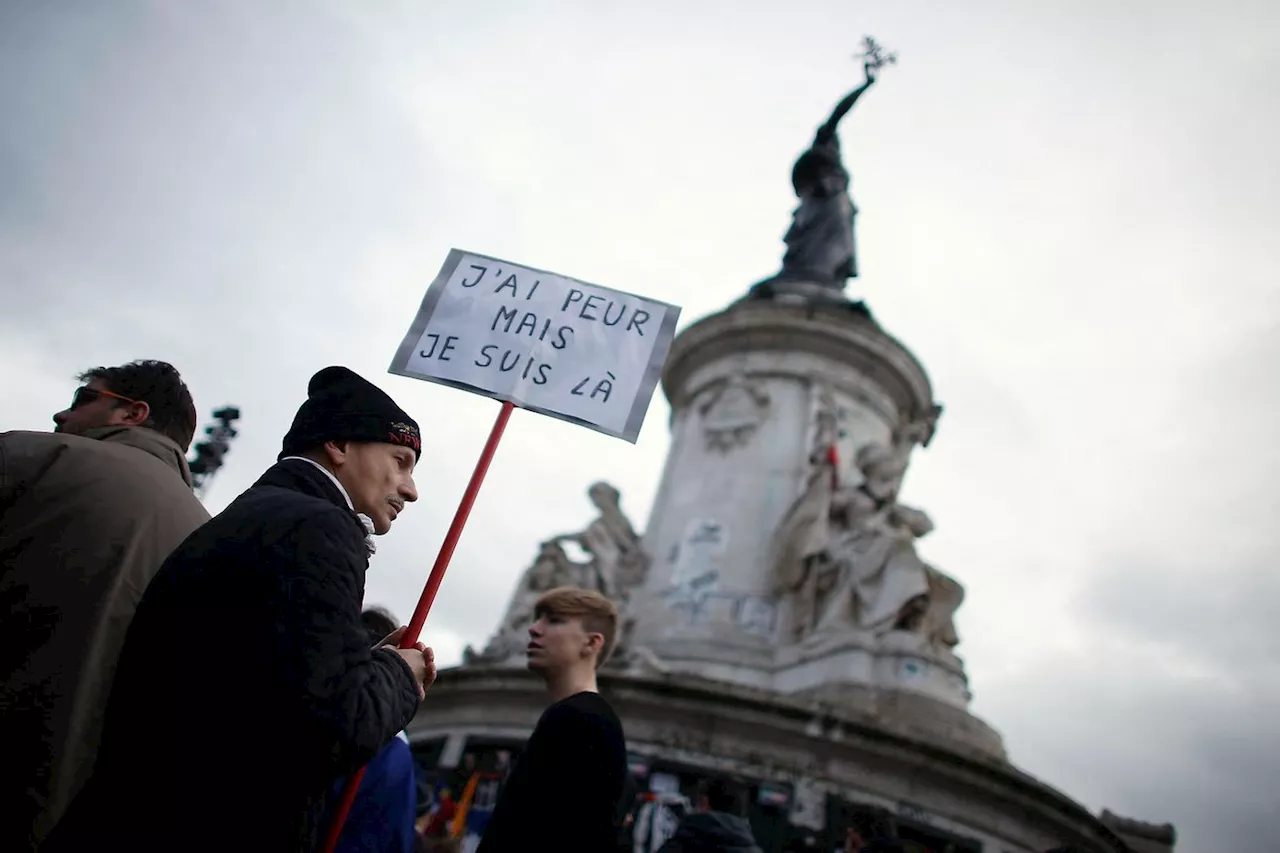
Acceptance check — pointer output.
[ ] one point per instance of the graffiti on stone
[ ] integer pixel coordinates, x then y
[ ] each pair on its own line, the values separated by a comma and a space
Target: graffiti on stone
756, 615
913, 670
911, 811
695, 595
696, 588
695, 577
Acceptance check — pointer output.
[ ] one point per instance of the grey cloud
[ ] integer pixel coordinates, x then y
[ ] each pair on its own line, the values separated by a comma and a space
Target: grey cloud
1163, 708
1190, 611
191, 160
1130, 736
1169, 730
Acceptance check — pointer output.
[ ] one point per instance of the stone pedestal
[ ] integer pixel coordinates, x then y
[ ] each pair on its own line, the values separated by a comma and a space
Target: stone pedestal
894, 661
944, 773
748, 388
721, 675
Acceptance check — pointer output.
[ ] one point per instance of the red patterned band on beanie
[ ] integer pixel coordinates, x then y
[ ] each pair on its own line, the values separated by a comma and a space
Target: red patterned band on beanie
406, 435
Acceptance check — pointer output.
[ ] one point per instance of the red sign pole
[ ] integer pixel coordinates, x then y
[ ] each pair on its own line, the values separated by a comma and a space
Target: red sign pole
428, 597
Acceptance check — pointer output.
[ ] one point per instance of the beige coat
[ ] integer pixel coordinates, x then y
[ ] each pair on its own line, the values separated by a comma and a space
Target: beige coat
85, 523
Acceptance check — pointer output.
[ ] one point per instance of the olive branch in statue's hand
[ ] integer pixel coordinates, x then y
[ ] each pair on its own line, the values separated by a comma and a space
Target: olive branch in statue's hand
874, 57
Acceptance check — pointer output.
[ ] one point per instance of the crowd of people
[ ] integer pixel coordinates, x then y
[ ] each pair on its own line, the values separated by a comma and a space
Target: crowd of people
170, 680
175, 680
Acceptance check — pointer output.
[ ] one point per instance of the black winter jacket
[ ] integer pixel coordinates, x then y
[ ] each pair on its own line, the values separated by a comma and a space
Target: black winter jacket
246, 684
711, 832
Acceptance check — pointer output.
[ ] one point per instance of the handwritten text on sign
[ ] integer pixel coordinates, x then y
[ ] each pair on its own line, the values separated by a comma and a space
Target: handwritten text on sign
545, 342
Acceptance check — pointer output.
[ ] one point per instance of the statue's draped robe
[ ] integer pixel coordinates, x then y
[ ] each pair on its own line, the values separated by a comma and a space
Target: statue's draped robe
937, 624
879, 574
617, 561
820, 245
802, 536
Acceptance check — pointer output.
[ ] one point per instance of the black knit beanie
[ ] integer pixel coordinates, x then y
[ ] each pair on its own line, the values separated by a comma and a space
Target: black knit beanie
342, 406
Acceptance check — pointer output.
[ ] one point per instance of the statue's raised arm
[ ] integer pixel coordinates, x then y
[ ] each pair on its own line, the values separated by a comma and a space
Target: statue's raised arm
828, 129
873, 58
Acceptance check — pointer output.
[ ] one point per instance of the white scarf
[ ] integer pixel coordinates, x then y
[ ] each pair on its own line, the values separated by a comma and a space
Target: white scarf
364, 519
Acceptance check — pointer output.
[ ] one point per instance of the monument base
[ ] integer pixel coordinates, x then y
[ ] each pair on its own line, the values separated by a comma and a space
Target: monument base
898, 660
806, 759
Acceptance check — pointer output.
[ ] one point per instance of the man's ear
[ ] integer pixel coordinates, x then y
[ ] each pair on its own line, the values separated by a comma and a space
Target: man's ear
335, 452
137, 413
595, 643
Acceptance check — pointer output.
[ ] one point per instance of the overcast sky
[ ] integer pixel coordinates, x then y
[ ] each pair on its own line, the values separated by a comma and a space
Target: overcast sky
1068, 211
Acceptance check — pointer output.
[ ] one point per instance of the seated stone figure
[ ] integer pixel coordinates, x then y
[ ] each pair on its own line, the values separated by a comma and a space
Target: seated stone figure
551, 568
616, 565
845, 558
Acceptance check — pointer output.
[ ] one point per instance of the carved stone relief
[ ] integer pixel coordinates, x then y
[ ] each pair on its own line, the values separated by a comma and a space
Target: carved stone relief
734, 412
844, 556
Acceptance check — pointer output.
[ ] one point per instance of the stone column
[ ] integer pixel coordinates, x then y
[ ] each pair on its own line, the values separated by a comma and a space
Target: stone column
748, 388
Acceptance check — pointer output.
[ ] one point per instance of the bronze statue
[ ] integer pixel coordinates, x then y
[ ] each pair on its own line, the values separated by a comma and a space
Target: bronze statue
820, 242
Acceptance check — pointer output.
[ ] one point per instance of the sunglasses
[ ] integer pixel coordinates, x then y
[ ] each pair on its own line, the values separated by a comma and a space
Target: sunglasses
85, 395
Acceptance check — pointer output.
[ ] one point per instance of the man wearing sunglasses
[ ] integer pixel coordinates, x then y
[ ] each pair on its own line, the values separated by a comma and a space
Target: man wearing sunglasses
87, 516
93, 407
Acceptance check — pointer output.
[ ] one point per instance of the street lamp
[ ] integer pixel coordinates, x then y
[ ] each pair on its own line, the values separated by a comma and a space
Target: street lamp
210, 453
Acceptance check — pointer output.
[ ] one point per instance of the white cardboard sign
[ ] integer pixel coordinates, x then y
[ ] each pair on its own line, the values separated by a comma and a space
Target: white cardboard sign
545, 342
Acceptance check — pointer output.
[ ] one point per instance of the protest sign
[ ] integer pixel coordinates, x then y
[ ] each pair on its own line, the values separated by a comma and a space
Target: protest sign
530, 338
545, 342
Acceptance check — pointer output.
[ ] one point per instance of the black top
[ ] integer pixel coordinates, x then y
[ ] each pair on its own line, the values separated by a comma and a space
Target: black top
246, 684
563, 793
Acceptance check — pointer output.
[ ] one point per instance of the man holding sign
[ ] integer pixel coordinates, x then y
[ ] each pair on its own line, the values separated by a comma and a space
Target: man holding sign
247, 683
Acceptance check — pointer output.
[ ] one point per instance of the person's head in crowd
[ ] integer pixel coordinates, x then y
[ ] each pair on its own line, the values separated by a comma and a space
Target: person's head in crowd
721, 795
879, 830
147, 394
378, 624
359, 434
572, 634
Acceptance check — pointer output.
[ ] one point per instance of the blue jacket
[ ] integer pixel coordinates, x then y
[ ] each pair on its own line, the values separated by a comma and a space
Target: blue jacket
381, 818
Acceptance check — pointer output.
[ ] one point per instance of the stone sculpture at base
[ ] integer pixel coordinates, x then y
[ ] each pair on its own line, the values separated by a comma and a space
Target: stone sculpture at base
616, 565
934, 620
845, 557
551, 568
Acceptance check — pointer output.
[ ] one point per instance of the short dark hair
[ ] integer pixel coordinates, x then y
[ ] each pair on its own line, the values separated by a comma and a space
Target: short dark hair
378, 623
723, 795
156, 383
